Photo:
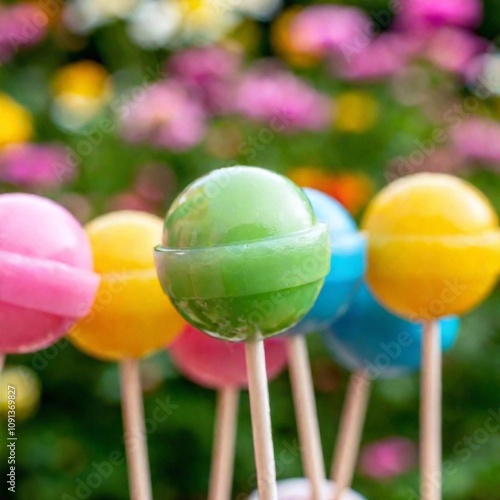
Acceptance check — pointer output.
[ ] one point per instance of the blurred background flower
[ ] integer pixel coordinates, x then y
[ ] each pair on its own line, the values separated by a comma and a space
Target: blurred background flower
388, 458
166, 116
16, 124
119, 104
273, 96
80, 90
27, 391
32, 166
22, 25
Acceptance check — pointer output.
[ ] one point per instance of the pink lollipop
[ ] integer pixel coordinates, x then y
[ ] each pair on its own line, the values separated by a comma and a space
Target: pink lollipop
221, 365
46, 277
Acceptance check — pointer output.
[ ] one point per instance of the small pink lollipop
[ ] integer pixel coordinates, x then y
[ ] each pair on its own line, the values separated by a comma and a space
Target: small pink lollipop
221, 365
46, 276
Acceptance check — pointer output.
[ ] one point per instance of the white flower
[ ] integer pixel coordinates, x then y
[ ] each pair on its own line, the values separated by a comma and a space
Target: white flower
155, 23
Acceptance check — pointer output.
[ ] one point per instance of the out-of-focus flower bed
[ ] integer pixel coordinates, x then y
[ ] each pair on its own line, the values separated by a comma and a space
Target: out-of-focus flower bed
108, 105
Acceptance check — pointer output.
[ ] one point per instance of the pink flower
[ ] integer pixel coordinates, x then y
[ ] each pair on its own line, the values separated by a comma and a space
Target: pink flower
286, 103
209, 73
418, 14
454, 50
388, 458
386, 56
21, 25
478, 139
36, 165
166, 116
323, 29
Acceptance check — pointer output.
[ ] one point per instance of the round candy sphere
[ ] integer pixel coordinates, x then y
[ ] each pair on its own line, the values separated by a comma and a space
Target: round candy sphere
347, 263
300, 489
131, 316
208, 362
371, 339
434, 246
46, 277
243, 256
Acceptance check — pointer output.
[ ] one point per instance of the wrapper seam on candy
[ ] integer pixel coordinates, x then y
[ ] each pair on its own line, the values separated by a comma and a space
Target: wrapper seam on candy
246, 269
434, 246
32, 283
46, 276
243, 255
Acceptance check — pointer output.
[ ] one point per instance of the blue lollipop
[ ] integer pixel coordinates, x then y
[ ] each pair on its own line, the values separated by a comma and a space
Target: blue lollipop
347, 266
369, 338
372, 343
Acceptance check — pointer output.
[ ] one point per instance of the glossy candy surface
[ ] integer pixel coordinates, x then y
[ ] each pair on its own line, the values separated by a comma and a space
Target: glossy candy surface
347, 264
46, 277
370, 338
299, 489
211, 363
131, 317
434, 246
243, 256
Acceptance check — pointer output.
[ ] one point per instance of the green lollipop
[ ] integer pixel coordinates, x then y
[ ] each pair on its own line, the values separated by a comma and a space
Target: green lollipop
243, 256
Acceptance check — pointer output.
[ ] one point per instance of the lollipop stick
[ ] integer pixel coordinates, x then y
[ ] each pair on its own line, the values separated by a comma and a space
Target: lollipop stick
225, 435
351, 428
261, 421
305, 411
430, 413
135, 433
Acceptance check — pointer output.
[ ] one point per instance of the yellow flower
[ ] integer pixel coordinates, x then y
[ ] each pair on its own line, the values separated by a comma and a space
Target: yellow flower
19, 391
211, 19
357, 112
16, 124
81, 89
85, 79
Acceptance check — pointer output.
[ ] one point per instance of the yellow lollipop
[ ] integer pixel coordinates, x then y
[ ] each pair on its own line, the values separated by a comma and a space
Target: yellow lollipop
131, 317
433, 250
434, 246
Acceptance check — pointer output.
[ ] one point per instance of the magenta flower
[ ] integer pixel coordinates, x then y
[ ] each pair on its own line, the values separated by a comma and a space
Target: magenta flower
454, 50
286, 103
209, 73
36, 165
386, 56
388, 458
166, 116
324, 29
418, 14
478, 139
22, 25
